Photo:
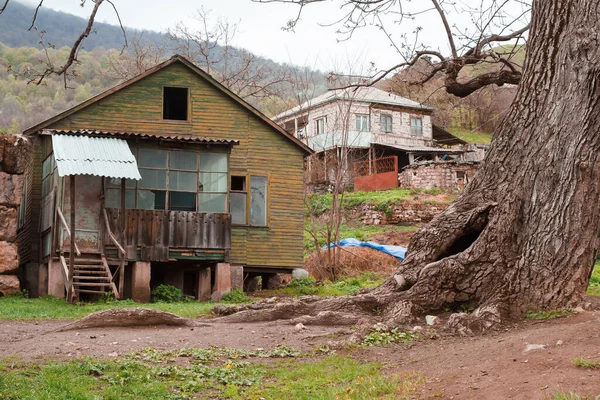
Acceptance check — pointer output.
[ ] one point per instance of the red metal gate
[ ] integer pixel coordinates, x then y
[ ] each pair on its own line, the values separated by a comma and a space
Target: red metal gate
377, 174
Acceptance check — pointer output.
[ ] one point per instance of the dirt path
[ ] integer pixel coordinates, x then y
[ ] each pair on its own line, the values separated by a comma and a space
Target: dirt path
488, 367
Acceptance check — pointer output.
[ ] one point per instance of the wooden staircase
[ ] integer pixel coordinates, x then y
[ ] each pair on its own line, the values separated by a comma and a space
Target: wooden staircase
91, 274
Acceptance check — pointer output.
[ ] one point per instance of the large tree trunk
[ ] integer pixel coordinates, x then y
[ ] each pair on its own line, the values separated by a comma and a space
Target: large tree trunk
524, 233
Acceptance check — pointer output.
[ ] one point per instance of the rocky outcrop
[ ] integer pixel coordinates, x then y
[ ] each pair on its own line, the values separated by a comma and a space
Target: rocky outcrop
14, 154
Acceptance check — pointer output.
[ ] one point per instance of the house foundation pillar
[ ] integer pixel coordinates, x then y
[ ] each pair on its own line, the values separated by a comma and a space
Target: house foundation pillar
222, 281
237, 276
140, 281
56, 282
204, 284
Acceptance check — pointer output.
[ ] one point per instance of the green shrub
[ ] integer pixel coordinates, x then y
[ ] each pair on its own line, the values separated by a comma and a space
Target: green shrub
586, 363
304, 286
550, 314
236, 296
383, 337
167, 294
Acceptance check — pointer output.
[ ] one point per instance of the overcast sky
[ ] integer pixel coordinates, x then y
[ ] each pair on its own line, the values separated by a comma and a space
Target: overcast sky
259, 29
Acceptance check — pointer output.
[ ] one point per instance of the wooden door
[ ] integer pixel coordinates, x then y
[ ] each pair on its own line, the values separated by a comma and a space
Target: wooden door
87, 212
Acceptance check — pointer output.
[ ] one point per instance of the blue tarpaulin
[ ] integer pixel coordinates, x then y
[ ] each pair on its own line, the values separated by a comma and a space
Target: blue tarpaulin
396, 251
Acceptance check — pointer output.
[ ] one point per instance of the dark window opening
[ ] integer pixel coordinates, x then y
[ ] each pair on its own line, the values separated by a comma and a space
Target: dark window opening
238, 183
175, 103
238, 200
182, 201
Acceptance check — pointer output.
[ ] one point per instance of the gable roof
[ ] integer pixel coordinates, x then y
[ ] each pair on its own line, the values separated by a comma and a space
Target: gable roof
175, 59
367, 94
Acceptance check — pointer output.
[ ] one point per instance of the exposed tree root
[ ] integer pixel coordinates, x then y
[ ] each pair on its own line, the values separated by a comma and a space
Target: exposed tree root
129, 317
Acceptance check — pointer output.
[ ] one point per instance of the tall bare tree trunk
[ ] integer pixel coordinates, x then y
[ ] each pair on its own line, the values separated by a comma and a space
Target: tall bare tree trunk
524, 233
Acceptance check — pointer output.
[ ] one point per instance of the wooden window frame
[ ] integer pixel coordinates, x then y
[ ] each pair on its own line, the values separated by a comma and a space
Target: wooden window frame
167, 169
248, 176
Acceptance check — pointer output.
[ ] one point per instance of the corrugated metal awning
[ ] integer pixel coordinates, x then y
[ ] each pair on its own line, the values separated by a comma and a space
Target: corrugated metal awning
134, 135
84, 155
421, 149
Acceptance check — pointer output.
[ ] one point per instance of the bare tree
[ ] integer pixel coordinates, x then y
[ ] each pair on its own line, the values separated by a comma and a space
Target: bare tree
525, 232
50, 66
138, 57
491, 23
209, 45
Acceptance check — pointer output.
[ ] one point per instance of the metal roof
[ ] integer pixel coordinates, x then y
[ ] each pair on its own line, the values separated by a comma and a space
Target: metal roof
84, 155
172, 138
421, 149
365, 94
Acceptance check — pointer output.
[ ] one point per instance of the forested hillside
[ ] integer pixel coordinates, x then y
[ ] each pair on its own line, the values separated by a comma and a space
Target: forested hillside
61, 29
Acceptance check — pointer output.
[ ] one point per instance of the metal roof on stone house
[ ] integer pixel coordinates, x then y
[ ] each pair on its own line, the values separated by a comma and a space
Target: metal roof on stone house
363, 94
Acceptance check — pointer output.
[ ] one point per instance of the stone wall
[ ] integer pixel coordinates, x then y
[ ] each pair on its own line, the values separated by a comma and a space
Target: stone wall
14, 151
451, 175
402, 213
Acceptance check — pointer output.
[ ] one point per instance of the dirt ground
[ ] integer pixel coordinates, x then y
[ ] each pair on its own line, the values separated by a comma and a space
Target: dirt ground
492, 366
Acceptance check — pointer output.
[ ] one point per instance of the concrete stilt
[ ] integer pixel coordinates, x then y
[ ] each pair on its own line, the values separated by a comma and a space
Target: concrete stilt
204, 284
222, 281
56, 282
140, 281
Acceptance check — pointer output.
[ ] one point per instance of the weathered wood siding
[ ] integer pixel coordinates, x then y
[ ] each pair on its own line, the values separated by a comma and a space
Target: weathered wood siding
157, 231
27, 234
262, 151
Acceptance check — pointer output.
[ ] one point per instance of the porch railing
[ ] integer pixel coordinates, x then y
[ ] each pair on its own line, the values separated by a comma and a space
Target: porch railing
63, 222
154, 232
120, 272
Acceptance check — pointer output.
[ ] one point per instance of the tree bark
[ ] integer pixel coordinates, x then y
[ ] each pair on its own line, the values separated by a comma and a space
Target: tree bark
524, 233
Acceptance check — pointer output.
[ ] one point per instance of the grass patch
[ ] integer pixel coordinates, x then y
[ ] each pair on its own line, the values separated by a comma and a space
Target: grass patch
383, 200
594, 286
334, 377
586, 363
307, 286
565, 396
471, 137
205, 373
384, 337
16, 308
549, 314
341, 287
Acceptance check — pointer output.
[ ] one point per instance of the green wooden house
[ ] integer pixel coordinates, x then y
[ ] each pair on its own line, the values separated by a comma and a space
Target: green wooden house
168, 178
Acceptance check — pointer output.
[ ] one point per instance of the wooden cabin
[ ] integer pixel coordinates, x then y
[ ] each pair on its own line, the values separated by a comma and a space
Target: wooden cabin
168, 178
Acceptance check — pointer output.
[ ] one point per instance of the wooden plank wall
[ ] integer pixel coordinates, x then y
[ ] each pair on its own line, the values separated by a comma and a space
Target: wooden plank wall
155, 231
262, 150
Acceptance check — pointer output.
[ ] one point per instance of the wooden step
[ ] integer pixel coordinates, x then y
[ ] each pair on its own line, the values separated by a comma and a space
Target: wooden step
89, 267
89, 273
91, 284
90, 291
79, 260
92, 278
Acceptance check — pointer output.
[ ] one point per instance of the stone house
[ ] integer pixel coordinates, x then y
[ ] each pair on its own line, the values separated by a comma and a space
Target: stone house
168, 178
370, 123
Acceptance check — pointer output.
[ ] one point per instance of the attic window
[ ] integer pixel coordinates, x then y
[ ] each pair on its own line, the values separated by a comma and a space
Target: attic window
175, 103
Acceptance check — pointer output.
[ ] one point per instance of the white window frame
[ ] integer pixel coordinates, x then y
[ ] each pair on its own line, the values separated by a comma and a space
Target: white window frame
416, 129
383, 120
320, 125
362, 122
